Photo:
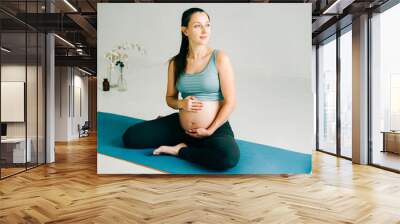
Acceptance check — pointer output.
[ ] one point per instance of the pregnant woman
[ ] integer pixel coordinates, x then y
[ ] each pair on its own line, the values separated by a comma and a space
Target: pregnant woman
200, 132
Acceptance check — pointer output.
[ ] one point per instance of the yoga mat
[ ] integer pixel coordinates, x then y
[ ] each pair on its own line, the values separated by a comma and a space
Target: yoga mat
254, 158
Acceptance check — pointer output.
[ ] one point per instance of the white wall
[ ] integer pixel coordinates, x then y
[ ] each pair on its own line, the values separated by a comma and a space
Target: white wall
61, 103
314, 86
67, 80
270, 49
80, 84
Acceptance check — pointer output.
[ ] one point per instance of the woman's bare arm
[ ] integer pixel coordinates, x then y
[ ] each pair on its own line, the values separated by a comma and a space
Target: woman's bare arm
172, 93
228, 89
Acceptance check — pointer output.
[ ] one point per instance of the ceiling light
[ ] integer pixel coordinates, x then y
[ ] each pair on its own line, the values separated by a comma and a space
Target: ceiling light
5, 49
331, 7
70, 5
84, 71
65, 41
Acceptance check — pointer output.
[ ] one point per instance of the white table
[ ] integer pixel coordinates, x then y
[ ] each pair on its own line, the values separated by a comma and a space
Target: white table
18, 145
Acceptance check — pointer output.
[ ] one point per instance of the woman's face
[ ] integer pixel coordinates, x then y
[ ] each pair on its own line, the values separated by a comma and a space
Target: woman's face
199, 29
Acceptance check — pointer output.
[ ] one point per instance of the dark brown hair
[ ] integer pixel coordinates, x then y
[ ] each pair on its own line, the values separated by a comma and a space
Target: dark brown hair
180, 58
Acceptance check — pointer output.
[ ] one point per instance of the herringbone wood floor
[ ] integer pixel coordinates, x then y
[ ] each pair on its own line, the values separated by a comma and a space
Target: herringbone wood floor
70, 191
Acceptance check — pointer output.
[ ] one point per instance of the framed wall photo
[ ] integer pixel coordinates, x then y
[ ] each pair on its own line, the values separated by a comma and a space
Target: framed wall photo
242, 104
12, 101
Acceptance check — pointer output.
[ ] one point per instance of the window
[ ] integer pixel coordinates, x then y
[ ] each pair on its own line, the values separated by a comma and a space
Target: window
385, 88
327, 96
346, 93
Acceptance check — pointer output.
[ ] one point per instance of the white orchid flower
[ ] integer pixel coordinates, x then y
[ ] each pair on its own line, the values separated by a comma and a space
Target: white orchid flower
119, 53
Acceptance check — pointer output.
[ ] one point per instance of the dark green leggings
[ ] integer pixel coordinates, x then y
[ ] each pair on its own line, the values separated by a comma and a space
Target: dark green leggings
218, 151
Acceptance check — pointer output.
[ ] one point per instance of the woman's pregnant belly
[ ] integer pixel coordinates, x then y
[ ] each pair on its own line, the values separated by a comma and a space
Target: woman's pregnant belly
202, 118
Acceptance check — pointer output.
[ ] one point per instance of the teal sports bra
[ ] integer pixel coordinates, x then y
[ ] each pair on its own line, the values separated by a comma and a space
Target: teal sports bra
203, 85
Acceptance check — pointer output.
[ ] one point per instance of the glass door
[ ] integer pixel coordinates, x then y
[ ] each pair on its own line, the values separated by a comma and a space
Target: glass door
13, 104
22, 77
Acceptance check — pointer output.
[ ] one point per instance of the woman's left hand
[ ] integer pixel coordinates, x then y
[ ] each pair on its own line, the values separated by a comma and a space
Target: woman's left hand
199, 132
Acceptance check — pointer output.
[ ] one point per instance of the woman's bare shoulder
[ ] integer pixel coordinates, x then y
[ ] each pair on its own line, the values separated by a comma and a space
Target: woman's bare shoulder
171, 62
171, 66
221, 57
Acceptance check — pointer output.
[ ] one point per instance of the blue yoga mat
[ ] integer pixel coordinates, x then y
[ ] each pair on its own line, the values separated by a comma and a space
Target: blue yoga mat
254, 158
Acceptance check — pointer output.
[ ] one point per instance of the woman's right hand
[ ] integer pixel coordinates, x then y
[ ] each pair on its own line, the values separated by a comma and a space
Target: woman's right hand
192, 104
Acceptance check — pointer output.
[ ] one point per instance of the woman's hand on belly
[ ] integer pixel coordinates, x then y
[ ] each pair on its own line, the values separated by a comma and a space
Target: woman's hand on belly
191, 104
199, 132
200, 119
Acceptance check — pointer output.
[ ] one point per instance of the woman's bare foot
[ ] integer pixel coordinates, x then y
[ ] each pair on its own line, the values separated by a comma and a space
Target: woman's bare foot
171, 150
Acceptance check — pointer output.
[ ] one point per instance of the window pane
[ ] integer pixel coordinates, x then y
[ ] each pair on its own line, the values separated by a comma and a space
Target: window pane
31, 101
13, 85
386, 88
346, 93
327, 96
